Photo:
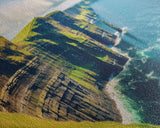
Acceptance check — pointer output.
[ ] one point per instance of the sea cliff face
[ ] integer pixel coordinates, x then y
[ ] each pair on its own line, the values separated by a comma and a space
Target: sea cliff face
65, 66
40, 90
11, 59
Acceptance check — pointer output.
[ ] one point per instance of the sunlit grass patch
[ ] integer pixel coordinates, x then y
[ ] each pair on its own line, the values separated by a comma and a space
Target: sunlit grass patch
81, 75
23, 34
16, 58
25, 121
73, 36
104, 58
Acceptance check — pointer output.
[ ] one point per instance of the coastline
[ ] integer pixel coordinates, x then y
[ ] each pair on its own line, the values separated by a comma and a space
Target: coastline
129, 115
110, 86
113, 93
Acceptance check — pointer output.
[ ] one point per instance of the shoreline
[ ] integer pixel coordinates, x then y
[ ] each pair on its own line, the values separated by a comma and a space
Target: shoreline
110, 86
129, 115
113, 93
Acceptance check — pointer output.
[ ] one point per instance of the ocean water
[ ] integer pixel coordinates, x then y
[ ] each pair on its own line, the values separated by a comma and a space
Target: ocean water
139, 83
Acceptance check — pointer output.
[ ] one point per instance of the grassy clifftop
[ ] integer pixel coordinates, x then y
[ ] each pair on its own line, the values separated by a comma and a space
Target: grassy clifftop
25, 121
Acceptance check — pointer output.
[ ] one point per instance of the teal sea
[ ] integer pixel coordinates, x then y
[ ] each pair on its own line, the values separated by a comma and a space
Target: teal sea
139, 83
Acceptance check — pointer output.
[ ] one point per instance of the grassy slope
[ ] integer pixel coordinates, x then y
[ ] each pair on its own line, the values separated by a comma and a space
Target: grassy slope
25, 121
23, 34
9, 51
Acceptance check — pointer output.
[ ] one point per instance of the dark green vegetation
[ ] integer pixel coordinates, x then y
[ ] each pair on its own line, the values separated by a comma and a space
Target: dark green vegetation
65, 64
25, 121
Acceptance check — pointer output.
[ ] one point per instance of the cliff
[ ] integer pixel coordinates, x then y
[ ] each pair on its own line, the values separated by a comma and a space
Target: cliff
66, 77
11, 59
40, 90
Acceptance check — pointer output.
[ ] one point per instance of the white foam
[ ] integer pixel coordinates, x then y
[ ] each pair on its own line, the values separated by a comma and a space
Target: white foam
118, 40
158, 40
117, 33
152, 75
120, 52
124, 30
120, 35
110, 88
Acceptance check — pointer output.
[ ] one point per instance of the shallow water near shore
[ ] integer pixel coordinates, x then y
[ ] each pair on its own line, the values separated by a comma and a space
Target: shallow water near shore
138, 84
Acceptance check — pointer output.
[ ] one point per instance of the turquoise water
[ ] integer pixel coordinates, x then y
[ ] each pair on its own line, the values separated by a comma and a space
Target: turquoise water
140, 81
141, 17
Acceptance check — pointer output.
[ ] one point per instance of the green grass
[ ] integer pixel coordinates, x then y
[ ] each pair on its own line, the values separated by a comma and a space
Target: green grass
81, 76
23, 34
72, 43
8, 120
26, 32
73, 36
82, 24
77, 73
16, 58
24, 43
105, 58
84, 12
83, 40
25, 52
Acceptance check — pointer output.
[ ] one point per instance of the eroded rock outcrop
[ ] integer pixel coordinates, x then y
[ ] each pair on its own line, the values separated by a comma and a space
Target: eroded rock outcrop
66, 77
40, 90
